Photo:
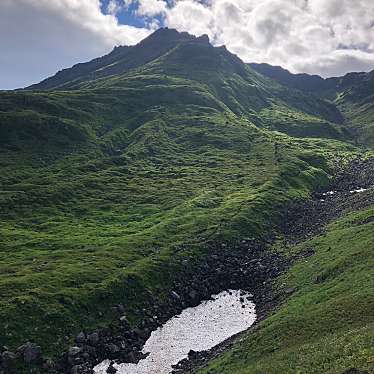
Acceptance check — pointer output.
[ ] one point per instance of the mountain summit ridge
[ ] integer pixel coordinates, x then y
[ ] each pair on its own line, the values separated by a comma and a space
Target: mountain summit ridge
120, 60
311, 82
123, 59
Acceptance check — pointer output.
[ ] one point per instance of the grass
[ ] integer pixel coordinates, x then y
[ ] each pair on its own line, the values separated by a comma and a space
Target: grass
73, 228
100, 185
327, 325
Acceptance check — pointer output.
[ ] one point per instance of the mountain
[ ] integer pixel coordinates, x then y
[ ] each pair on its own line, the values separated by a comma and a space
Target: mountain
352, 94
314, 83
119, 61
303, 82
122, 176
167, 57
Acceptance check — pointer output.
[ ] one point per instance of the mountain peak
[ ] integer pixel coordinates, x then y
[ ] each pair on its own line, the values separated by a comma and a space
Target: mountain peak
121, 59
164, 34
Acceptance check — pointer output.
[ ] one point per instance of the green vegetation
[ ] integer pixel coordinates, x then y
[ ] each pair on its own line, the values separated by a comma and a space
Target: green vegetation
74, 225
141, 152
352, 94
360, 115
327, 325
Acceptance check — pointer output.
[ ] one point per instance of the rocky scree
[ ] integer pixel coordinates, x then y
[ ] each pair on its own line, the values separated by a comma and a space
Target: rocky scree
246, 265
302, 220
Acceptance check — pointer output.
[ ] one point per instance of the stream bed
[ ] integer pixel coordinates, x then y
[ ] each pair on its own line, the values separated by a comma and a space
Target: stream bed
199, 328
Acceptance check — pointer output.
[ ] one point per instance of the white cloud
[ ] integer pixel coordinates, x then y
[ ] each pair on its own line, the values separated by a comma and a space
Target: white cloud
39, 37
113, 7
338, 63
191, 16
327, 37
151, 8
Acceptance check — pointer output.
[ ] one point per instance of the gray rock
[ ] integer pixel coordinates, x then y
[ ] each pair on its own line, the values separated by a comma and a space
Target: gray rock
49, 364
111, 369
121, 309
131, 358
124, 320
8, 358
193, 294
93, 338
73, 351
174, 295
289, 291
76, 369
32, 353
81, 338
112, 348
29, 352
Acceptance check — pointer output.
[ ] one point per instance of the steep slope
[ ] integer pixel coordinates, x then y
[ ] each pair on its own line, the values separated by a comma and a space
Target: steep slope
78, 219
303, 82
325, 324
171, 58
356, 102
314, 83
120, 60
352, 94
118, 174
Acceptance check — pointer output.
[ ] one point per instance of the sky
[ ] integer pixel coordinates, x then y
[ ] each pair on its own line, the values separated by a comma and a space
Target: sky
325, 37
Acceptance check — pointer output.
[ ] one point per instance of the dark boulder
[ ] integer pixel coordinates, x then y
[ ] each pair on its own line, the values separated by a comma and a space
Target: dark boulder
8, 359
29, 352
121, 309
355, 371
80, 338
74, 351
111, 369
175, 296
93, 338
112, 349
193, 295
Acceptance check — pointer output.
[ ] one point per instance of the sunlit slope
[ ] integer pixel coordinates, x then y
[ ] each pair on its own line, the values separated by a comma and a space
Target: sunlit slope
352, 94
168, 58
108, 176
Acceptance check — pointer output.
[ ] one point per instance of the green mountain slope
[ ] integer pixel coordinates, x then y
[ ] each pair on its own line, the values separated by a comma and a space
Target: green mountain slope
168, 59
352, 94
356, 101
112, 166
119, 61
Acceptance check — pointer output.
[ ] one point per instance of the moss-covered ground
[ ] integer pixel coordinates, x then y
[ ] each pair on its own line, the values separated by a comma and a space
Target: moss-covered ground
74, 226
100, 185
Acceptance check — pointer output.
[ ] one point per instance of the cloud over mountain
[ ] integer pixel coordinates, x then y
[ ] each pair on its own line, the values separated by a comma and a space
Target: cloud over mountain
326, 37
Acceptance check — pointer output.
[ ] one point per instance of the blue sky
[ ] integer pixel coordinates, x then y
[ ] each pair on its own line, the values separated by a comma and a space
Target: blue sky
126, 16
325, 37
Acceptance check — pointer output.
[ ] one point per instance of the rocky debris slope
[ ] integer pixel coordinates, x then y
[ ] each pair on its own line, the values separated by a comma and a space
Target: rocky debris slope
247, 264
243, 265
351, 189
348, 191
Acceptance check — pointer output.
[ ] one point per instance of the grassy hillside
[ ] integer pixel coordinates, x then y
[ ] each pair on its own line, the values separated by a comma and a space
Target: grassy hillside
360, 115
101, 184
352, 94
75, 220
327, 325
